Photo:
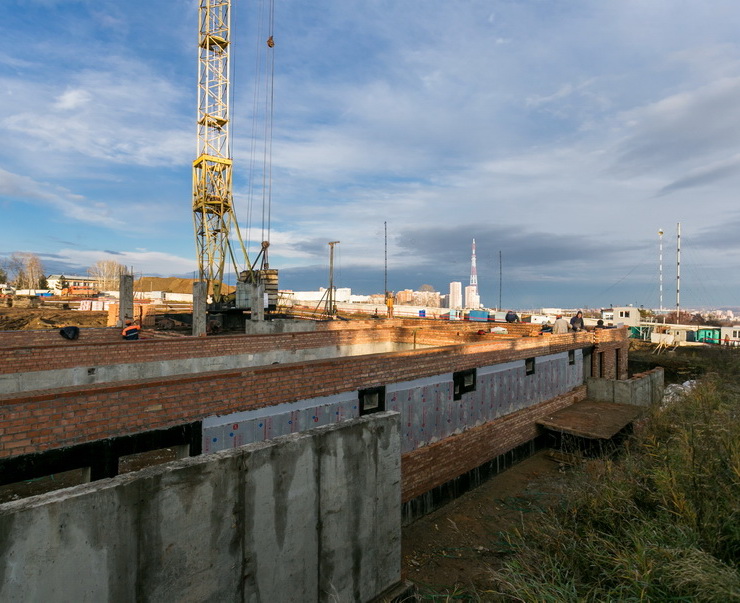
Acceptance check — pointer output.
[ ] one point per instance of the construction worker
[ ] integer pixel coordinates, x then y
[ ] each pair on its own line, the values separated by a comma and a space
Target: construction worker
389, 303
131, 330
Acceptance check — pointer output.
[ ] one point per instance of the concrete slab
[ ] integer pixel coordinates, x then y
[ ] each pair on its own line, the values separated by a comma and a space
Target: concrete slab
592, 420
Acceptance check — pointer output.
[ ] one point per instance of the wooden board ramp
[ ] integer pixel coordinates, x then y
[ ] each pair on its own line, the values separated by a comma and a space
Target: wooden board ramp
592, 420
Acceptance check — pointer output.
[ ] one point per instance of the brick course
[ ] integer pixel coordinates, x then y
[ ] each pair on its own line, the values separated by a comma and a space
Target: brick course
438, 463
82, 414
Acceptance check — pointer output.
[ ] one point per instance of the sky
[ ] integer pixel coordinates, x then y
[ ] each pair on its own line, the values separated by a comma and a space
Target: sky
561, 135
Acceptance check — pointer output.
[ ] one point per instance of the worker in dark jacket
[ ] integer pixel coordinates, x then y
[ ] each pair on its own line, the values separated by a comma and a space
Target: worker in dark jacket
131, 330
576, 323
511, 316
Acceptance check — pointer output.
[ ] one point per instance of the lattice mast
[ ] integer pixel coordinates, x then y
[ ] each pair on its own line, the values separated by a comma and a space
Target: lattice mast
473, 271
213, 211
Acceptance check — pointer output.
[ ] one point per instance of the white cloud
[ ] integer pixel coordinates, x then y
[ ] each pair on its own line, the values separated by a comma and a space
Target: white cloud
143, 261
69, 204
120, 114
72, 99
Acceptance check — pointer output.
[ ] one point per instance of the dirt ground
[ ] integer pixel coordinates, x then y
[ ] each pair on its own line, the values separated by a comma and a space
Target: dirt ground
48, 317
455, 547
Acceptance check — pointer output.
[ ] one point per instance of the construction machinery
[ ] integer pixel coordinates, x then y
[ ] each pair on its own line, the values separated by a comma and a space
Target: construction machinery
218, 237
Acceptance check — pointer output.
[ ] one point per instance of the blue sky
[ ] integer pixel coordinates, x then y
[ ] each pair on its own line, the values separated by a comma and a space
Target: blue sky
562, 133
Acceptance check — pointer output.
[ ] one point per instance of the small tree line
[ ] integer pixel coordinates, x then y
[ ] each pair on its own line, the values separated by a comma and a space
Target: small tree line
25, 270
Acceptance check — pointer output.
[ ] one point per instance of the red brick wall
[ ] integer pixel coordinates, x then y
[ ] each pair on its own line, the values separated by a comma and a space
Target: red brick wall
52, 337
64, 417
113, 334
65, 354
433, 465
610, 345
60, 353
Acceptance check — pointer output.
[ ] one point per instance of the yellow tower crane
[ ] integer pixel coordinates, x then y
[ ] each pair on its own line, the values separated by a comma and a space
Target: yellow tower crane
213, 207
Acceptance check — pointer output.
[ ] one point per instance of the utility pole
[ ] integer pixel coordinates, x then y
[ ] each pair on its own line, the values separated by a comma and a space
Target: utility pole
678, 271
385, 271
660, 268
331, 308
500, 279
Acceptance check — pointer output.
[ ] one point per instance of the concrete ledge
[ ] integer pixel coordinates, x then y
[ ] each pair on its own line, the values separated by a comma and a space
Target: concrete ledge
643, 389
270, 327
18, 382
305, 517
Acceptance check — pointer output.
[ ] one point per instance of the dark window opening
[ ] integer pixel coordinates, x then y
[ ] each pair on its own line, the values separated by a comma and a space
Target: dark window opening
571, 357
601, 364
618, 360
372, 400
588, 368
463, 382
529, 366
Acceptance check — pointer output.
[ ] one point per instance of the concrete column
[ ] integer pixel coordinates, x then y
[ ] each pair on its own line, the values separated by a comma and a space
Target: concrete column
257, 299
126, 299
200, 296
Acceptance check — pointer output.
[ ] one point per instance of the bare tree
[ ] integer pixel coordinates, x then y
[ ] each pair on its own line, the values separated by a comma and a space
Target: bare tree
108, 273
27, 270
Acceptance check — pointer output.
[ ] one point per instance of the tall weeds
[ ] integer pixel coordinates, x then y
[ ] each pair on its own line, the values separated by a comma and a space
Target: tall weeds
660, 523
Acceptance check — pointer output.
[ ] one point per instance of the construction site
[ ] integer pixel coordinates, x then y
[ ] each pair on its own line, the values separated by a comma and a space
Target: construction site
247, 454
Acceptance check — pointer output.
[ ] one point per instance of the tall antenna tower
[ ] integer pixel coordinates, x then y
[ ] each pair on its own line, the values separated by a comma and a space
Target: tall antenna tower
660, 268
678, 272
473, 271
213, 211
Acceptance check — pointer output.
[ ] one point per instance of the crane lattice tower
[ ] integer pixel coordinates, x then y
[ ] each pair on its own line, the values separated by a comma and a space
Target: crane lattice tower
213, 211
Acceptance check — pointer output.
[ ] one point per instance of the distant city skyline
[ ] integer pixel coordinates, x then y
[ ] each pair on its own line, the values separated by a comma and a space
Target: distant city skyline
563, 135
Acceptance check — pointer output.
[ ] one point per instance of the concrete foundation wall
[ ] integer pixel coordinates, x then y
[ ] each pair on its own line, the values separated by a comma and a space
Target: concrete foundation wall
309, 517
442, 462
644, 389
110, 373
428, 411
34, 422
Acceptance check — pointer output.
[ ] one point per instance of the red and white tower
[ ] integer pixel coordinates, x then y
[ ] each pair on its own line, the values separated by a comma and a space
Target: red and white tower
472, 299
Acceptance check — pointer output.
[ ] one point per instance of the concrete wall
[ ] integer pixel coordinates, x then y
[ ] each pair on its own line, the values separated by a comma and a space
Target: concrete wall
43, 420
110, 373
308, 517
428, 411
440, 464
644, 389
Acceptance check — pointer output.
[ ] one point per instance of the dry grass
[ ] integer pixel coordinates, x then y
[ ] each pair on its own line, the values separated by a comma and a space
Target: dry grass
661, 523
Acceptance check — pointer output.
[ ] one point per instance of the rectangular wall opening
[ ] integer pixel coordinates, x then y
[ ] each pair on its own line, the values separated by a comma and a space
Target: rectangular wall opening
529, 366
463, 382
571, 357
372, 400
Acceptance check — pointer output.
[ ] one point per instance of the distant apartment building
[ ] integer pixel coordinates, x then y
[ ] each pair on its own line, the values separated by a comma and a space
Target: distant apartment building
60, 281
472, 299
405, 297
430, 299
456, 294
621, 315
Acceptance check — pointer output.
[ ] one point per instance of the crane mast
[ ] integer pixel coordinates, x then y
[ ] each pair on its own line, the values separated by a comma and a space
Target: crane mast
213, 211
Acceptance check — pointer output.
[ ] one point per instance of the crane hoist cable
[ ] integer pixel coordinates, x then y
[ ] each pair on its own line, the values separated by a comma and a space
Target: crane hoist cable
260, 154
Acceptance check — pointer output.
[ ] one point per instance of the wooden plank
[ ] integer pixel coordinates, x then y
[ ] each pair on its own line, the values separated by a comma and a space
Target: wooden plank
593, 420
